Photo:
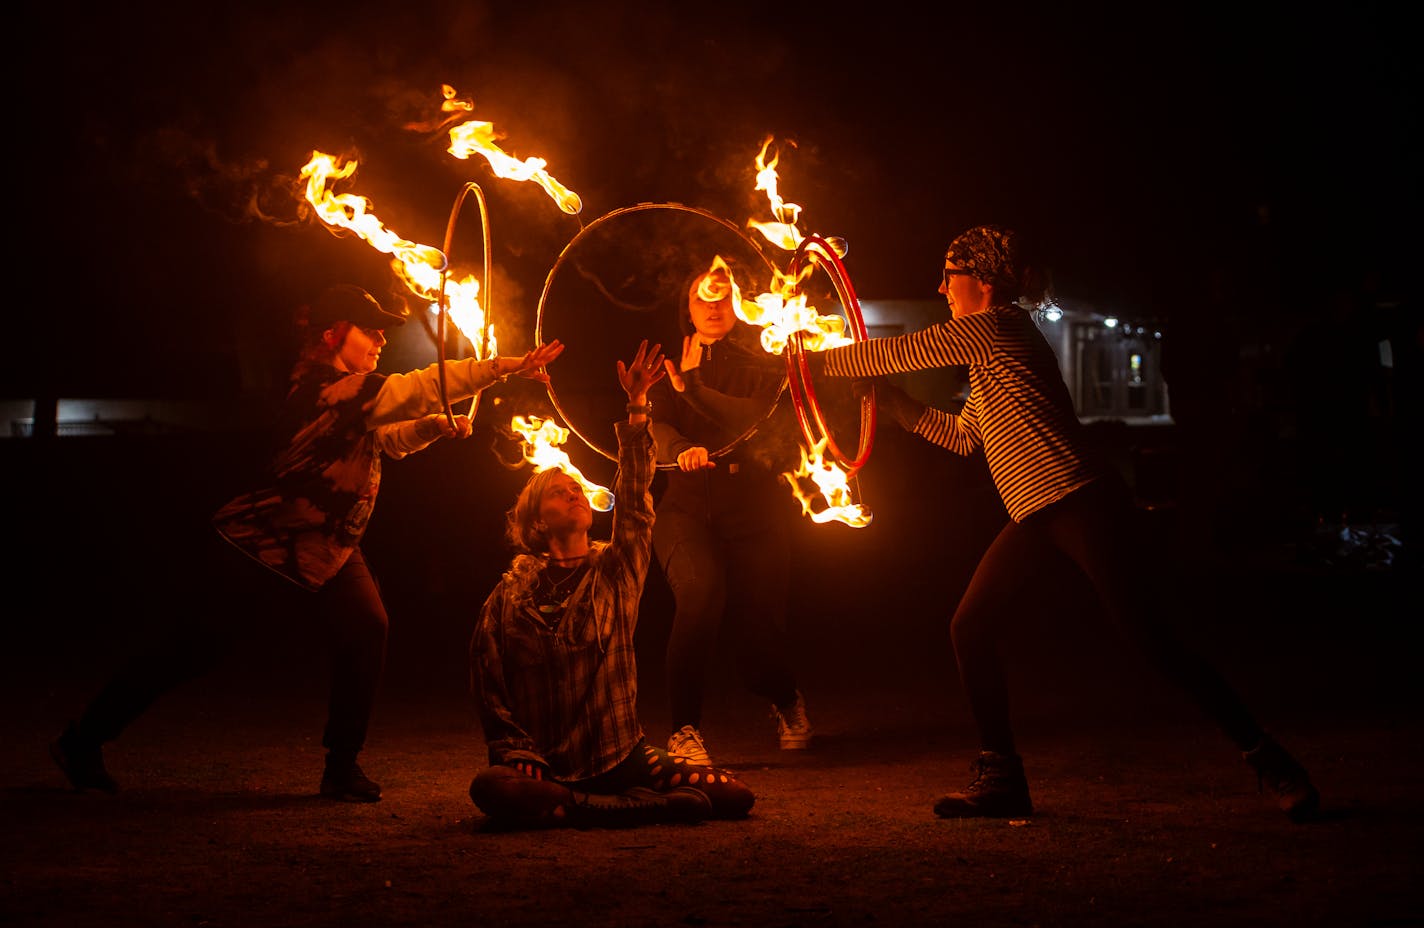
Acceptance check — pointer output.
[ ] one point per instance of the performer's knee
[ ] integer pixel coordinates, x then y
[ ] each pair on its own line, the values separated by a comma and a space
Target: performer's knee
505, 793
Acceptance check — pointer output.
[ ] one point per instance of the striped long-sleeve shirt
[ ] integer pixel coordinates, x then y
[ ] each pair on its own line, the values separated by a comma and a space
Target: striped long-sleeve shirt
1019, 410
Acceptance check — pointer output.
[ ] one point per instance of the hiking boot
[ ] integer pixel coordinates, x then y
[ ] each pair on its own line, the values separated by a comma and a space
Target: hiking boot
82, 762
998, 790
344, 780
792, 726
687, 743
1285, 778
639, 806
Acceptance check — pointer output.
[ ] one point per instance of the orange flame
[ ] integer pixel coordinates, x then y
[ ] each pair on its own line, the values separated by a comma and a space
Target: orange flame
783, 311
418, 266
834, 488
782, 232
542, 438
476, 137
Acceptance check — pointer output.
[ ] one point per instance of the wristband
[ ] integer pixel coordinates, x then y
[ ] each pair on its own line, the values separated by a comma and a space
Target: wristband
635, 408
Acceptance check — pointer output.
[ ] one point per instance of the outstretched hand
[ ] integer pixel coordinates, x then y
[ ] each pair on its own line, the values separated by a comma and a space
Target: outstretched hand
691, 360
531, 366
642, 372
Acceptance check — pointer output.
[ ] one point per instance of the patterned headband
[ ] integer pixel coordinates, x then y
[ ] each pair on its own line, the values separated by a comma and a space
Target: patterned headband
989, 253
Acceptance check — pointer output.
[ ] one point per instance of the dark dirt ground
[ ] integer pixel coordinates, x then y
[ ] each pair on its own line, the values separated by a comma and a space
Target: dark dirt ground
1145, 815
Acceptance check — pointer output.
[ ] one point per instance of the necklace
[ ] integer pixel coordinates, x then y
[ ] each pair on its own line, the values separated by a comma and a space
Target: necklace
550, 593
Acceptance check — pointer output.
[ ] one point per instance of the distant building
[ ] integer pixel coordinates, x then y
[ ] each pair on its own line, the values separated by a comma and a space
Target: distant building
1112, 365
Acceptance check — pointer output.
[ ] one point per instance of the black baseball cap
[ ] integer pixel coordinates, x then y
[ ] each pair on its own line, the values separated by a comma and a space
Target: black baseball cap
349, 303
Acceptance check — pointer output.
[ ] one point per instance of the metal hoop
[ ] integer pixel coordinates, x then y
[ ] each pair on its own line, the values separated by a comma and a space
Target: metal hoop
483, 347
803, 393
563, 260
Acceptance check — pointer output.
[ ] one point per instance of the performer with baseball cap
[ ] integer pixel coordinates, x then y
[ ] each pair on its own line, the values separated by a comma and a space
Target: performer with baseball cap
292, 544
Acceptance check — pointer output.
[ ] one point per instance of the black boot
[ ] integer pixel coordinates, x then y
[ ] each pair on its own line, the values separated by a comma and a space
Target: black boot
82, 761
344, 780
639, 806
998, 790
1284, 777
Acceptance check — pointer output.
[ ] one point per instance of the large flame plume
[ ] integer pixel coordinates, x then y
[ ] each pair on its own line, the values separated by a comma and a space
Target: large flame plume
838, 502
782, 231
475, 137
783, 313
418, 266
541, 447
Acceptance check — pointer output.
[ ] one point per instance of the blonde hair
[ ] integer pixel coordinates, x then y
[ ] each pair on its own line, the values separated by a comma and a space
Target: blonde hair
521, 531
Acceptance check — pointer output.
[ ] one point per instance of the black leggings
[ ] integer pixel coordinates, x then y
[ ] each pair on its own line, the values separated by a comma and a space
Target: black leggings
238, 597
1092, 527
729, 572
502, 792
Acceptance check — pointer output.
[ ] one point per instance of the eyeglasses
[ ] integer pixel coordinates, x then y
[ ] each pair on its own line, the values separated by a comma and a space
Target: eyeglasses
950, 272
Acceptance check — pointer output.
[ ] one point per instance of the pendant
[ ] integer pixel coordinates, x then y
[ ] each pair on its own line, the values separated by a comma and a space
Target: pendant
550, 608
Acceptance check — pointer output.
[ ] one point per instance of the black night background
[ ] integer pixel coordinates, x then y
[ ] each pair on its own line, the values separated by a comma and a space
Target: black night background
1242, 179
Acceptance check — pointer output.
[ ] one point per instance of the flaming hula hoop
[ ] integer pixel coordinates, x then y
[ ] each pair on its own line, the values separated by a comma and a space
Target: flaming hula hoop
816, 249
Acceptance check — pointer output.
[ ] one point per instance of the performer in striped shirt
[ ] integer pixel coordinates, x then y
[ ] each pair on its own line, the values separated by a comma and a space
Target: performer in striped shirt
1060, 499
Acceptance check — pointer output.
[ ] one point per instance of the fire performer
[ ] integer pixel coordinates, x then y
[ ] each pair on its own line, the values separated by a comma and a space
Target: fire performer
553, 668
1062, 502
304, 525
724, 526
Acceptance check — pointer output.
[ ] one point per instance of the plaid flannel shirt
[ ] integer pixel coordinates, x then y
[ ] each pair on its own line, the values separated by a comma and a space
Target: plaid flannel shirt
564, 693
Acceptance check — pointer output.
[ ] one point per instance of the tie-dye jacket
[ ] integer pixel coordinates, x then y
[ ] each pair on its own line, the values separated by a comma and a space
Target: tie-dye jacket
313, 507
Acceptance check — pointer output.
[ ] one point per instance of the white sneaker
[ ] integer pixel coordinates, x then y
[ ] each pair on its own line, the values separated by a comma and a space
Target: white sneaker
686, 743
792, 726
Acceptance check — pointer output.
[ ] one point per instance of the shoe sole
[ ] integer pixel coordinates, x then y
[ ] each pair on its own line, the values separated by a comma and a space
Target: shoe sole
345, 795
62, 762
349, 797
694, 808
1307, 809
952, 809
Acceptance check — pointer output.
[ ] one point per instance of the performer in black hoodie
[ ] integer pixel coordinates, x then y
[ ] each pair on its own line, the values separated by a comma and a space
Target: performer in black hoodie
722, 534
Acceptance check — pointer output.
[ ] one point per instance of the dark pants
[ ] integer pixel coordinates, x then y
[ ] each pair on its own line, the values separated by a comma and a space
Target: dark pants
723, 541
1093, 528
505, 794
235, 597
